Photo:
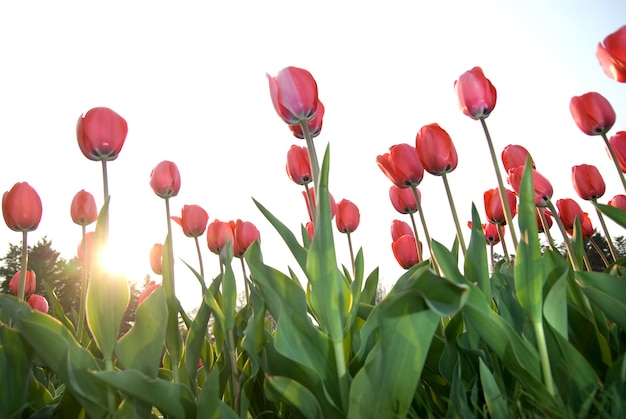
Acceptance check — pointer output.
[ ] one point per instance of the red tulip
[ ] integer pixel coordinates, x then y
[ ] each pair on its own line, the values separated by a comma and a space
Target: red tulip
147, 291
217, 234
30, 282
402, 165
156, 258
314, 125
399, 229
593, 114
493, 205
333, 204
490, 231
618, 144
543, 188
83, 209
245, 234
515, 156
436, 150
193, 220
569, 210
618, 201
612, 55
165, 179
547, 215
21, 207
101, 134
587, 229
294, 95
348, 216
310, 229
299, 165
39, 303
405, 251
403, 199
476, 94
588, 181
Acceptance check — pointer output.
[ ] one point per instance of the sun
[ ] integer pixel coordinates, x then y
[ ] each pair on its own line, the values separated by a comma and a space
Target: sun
121, 258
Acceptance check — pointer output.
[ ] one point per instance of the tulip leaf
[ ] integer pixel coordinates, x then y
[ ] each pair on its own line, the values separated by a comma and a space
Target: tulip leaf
210, 405
172, 399
608, 292
56, 307
616, 214
496, 403
370, 289
15, 363
476, 266
286, 390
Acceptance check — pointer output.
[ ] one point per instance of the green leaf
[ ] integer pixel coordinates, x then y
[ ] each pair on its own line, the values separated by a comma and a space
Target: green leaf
210, 405
368, 295
496, 403
15, 364
476, 265
608, 292
170, 398
286, 390
55, 306
141, 348
555, 304
616, 214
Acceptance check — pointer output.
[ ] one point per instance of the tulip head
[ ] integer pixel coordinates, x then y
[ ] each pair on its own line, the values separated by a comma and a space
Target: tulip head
548, 217
399, 229
147, 291
193, 220
569, 210
30, 282
592, 113
299, 165
39, 303
101, 134
83, 209
493, 205
156, 258
218, 233
514, 156
476, 94
333, 204
405, 251
618, 201
588, 182
612, 55
314, 125
348, 216
403, 199
618, 144
245, 233
402, 165
21, 207
294, 95
165, 179
543, 187
436, 150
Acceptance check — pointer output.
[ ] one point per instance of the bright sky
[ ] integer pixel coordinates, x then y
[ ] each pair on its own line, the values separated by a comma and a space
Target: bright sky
190, 81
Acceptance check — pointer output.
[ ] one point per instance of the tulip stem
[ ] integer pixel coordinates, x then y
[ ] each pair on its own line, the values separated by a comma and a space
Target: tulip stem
245, 280
21, 290
568, 242
615, 161
351, 254
83, 286
459, 234
609, 240
315, 167
172, 341
417, 240
546, 229
505, 202
500, 229
200, 262
599, 250
423, 221
309, 201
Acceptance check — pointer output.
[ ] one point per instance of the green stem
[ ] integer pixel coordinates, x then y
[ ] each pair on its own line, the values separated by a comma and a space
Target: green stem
315, 167
417, 240
172, 302
341, 374
459, 233
609, 240
546, 229
310, 202
423, 221
504, 248
351, 254
201, 264
84, 272
600, 252
236, 388
615, 161
108, 366
245, 279
505, 202
21, 290
105, 188
566, 240
545, 360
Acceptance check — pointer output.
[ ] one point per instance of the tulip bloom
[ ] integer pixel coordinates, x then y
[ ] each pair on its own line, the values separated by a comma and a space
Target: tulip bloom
405, 251
618, 201
294, 95
333, 204
310, 229
436, 150
193, 220
587, 229
39, 303
399, 229
101, 134
245, 233
547, 215
217, 234
31, 282
165, 179
403, 199
156, 258
21, 207
147, 291
314, 125
592, 113
348, 216
493, 205
515, 156
402, 165
588, 182
299, 165
543, 187
618, 144
569, 210
490, 231
476, 94
612, 55
83, 209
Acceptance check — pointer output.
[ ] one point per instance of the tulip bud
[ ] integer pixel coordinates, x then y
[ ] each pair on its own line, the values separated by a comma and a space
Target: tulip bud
592, 113
156, 258
405, 251
348, 216
101, 134
618, 144
299, 165
30, 282
403, 199
217, 234
436, 150
612, 55
193, 220
245, 233
476, 94
39, 303
83, 209
294, 95
588, 182
165, 179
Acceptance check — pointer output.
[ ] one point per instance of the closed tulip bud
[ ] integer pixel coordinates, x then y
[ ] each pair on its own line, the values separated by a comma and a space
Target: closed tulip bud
30, 282
543, 187
193, 220
101, 134
618, 201
403, 199
165, 179
490, 231
147, 291
310, 229
83, 209
402, 165
245, 233
476, 94
588, 182
399, 229
493, 205
587, 229
612, 55
547, 215
569, 210
156, 258
217, 234
405, 251
294, 95
436, 150
333, 204
592, 113
618, 144
348, 216
21, 207
299, 165
39, 303
314, 125
514, 156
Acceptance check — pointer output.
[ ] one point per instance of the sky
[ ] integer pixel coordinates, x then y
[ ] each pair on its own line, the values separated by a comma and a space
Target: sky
190, 81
